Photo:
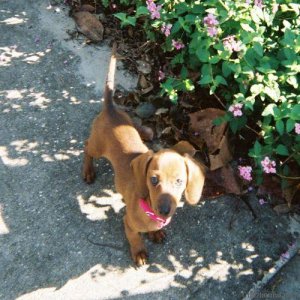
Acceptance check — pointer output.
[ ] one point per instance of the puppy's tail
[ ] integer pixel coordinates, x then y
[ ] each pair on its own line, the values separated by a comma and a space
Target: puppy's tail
110, 80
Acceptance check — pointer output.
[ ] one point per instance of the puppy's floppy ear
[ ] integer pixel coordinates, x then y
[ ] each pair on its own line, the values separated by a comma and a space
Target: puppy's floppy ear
139, 166
195, 180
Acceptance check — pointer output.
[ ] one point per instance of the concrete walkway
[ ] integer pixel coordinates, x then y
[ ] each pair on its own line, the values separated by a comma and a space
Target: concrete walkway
62, 239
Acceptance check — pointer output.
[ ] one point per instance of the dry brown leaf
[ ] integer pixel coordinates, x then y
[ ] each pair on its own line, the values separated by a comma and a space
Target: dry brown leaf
230, 181
282, 208
201, 122
215, 137
223, 156
89, 25
183, 147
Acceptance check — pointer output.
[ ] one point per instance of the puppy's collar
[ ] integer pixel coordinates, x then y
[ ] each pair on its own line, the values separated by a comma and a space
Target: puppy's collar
151, 214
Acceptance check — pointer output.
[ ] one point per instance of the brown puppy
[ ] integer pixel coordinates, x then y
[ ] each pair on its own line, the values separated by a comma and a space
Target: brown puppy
151, 183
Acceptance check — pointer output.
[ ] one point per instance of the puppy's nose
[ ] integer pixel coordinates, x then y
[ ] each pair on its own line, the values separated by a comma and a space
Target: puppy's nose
164, 207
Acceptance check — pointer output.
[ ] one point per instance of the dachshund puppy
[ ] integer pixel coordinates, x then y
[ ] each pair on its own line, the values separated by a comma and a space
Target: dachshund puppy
151, 184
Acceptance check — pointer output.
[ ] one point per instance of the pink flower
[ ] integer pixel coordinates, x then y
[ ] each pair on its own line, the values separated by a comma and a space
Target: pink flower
262, 201
245, 172
297, 128
231, 44
210, 20
236, 109
177, 44
161, 75
166, 29
153, 9
268, 165
212, 31
258, 3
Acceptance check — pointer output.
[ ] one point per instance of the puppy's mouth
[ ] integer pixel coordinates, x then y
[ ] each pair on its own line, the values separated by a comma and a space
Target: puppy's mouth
165, 207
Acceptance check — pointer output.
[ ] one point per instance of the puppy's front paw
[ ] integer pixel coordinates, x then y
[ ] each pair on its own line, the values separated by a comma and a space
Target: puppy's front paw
140, 258
157, 236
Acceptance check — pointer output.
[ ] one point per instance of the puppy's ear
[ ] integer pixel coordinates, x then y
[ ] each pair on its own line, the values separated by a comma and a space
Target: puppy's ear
184, 147
139, 166
195, 180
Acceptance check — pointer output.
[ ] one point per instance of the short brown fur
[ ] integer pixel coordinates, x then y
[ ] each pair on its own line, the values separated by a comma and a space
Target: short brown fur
114, 137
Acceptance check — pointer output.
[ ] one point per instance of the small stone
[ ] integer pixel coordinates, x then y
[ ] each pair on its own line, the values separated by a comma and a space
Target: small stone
145, 110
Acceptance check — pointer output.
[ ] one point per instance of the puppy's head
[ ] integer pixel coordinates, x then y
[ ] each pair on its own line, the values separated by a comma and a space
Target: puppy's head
164, 176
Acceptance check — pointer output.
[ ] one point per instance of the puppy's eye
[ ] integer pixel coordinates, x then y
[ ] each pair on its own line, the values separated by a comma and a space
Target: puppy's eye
179, 182
154, 180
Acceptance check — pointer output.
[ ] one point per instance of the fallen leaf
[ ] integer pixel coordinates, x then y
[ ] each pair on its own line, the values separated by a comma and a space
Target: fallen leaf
143, 82
147, 89
231, 182
161, 111
215, 137
223, 155
201, 122
282, 208
89, 25
166, 131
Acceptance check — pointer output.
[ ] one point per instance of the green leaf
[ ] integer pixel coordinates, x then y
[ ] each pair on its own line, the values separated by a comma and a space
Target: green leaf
295, 112
220, 80
290, 124
257, 148
258, 49
206, 79
280, 127
282, 150
142, 10
202, 54
247, 27
292, 80
269, 110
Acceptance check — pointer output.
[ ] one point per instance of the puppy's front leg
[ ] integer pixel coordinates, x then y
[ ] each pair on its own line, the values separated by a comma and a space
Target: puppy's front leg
137, 247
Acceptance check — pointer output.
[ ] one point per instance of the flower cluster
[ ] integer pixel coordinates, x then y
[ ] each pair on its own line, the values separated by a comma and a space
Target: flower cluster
177, 44
236, 109
211, 22
245, 172
231, 44
153, 9
258, 3
166, 29
268, 165
297, 128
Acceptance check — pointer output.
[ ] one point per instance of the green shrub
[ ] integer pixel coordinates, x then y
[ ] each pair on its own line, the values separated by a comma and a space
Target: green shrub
247, 52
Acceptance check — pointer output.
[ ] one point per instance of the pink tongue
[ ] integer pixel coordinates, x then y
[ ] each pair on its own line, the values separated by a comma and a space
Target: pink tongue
148, 210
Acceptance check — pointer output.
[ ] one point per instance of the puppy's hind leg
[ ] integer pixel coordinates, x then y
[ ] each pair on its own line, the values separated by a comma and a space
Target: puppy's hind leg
88, 172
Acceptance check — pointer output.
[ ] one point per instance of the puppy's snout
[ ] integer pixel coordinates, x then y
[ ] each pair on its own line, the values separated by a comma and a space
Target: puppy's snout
164, 206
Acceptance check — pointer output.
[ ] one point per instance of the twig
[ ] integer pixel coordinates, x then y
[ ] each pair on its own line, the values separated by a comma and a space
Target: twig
220, 101
287, 177
118, 248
